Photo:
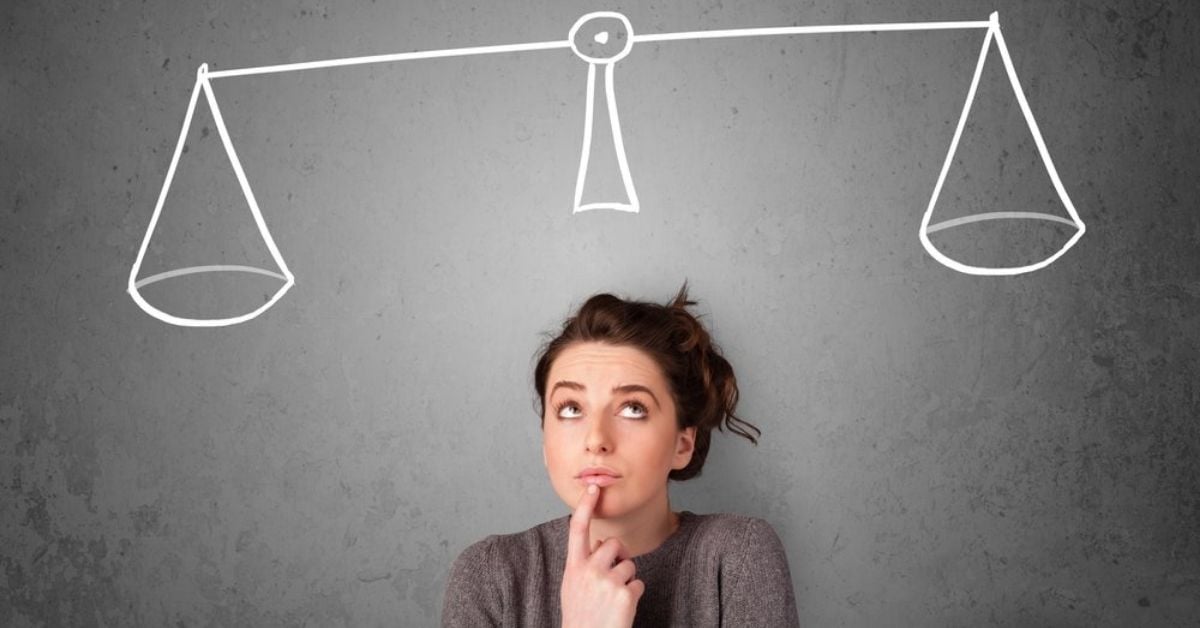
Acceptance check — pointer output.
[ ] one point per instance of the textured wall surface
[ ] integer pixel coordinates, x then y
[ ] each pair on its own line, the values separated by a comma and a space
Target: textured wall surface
937, 449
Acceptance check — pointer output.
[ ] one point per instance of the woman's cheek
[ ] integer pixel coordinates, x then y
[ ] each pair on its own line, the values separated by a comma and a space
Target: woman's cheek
554, 462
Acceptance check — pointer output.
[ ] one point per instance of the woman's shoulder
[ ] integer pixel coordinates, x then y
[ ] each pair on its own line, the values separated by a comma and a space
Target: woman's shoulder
513, 550
489, 575
751, 571
718, 522
725, 532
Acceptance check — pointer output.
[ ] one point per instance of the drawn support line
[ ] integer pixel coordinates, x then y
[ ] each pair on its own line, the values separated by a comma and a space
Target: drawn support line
993, 32
965, 220
202, 83
632, 204
215, 268
619, 145
810, 30
402, 56
610, 101
552, 45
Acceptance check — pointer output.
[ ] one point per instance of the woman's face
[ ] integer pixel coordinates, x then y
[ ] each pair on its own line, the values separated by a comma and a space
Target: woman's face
610, 406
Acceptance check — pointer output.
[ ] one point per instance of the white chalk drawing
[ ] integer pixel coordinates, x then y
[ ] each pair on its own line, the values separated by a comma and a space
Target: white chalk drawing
993, 34
284, 274
625, 33
615, 29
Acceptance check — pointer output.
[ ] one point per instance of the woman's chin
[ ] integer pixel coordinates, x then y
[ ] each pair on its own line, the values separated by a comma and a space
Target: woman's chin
606, 508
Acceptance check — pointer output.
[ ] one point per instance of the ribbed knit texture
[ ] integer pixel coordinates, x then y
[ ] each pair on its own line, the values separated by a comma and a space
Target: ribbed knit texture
714, 570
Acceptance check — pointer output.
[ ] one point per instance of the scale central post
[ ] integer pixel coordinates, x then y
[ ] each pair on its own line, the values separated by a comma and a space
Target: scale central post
601, 39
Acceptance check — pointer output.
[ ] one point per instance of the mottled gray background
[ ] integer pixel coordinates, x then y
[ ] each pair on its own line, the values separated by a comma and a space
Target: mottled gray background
937, 449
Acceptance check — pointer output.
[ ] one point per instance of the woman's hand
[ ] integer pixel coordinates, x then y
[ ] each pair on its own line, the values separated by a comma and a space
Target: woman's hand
596, 593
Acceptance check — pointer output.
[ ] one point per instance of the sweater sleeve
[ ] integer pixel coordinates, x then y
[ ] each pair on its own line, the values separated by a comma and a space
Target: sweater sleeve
473, 595
756, 585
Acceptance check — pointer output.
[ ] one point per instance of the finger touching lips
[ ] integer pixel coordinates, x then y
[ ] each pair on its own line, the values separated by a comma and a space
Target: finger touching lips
577, 539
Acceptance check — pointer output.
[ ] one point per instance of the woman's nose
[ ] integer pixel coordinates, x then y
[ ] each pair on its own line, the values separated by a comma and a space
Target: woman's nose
597, 437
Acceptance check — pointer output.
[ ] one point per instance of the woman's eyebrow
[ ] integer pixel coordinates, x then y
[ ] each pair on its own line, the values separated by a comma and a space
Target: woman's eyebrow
567, 384
627, 388
637, 388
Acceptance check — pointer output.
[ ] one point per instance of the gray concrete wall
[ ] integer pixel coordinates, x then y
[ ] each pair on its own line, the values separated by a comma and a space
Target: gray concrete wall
938, 448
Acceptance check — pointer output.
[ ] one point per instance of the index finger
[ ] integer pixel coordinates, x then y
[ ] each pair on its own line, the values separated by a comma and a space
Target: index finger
577, 536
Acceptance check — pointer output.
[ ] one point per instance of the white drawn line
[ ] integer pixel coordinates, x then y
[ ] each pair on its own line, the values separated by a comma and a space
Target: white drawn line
243, 181
588, 117
202, 83
808, 30
955, 222
402, 56
552, 45
958, 129
610, 102
613, 205
191, 270
162, 195
618, 141
1033, 126
618, 145
602, 37
204, 77
993, 31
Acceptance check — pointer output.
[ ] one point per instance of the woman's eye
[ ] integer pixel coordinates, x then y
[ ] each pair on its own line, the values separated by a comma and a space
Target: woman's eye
634, 411
565, 408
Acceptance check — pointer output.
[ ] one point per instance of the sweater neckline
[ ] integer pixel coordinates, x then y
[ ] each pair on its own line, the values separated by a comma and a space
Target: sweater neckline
668, 548
660, 555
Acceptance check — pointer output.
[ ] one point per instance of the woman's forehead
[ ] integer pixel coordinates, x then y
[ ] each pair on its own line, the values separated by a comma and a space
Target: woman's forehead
594, 360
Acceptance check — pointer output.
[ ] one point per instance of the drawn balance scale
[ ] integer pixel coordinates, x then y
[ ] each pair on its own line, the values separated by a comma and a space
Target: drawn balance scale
602, 39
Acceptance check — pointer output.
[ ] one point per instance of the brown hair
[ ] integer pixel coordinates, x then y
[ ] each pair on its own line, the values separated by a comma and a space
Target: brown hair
701, 381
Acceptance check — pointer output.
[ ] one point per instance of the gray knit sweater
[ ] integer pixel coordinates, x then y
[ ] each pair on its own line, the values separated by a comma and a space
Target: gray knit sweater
714, 570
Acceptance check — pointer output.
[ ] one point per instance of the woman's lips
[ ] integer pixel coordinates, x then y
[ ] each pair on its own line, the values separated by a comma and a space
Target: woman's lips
598, 480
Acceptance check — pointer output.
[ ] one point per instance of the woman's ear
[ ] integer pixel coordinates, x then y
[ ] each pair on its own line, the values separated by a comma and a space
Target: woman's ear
685, 445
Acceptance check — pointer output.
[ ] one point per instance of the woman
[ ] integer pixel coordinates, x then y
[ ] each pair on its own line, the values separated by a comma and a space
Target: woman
629, 394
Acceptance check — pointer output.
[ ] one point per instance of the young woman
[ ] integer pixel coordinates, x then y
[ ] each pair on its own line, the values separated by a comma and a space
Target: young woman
629, 392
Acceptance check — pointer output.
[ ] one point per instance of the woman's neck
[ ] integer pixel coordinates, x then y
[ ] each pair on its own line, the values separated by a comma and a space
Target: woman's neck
640, 532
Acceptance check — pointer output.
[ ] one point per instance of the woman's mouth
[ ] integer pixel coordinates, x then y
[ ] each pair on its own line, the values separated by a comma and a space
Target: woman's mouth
598, 479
